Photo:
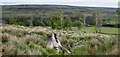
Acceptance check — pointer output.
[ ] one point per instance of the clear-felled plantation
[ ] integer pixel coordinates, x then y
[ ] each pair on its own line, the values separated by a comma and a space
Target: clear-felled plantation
84, 31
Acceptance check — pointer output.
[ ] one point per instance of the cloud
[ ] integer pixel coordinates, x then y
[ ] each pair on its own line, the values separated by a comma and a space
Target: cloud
94, 3
41, 0
59, 0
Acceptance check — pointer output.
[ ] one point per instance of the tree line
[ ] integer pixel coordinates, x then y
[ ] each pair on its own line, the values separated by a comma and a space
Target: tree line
58, 21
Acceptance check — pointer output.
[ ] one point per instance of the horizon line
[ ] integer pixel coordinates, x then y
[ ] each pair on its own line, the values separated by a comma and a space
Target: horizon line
62, 5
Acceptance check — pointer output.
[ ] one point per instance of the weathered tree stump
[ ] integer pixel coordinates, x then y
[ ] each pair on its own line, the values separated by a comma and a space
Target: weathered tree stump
54, 42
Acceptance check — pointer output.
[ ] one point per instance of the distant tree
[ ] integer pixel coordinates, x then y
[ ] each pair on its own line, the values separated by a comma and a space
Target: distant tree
13, 21
37, 12
21, 23
97, 17
31, 21
93, 22
55, 22
42, 24
77, 24
117, 11
83, 18
67, 22
74, 24
80, 19
5, 21
109, 20
52, 22
60, 15
36, 22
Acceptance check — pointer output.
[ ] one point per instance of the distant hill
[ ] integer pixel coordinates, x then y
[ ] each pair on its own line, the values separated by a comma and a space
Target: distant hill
48, 10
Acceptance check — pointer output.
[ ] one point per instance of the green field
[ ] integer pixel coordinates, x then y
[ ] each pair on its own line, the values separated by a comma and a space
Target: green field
108, 30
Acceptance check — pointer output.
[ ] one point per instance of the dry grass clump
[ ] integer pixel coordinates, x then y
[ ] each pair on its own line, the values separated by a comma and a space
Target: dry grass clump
39, 30
70, 32
100, 46
5, 38
20, 31
14, 31
87, 36
24, 46
32, 39
92, 46
8, 49
19, 44
113, 51
94, 42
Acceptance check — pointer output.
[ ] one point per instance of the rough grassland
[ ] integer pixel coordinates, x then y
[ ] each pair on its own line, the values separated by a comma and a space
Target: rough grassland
20, 40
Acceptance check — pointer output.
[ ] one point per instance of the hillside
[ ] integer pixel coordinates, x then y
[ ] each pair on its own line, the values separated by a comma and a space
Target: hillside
47, 10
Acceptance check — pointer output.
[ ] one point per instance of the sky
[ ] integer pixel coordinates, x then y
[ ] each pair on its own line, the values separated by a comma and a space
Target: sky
89, 3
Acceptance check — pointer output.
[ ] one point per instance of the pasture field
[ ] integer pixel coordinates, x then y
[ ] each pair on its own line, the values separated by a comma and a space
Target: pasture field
107, 30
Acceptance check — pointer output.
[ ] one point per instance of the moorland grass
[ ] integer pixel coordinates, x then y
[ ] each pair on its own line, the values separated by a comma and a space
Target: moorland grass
78, 43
